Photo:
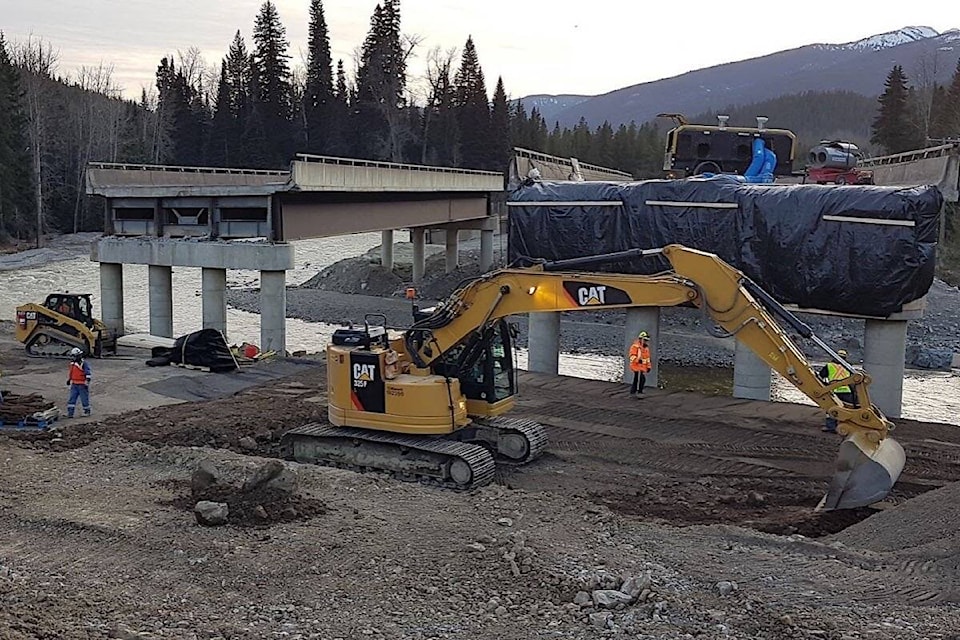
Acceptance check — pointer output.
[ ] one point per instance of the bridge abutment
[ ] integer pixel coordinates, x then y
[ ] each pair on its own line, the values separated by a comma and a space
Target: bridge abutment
419, 241
214, 299
884, 351
386, 249
160, 285
543, 338
751, 375
452, 242
111, 296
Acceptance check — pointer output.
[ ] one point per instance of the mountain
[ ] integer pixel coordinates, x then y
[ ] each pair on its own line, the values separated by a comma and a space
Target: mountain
550, 106
859, 67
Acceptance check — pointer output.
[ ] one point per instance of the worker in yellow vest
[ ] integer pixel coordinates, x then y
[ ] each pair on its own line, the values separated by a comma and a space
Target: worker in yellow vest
835, 370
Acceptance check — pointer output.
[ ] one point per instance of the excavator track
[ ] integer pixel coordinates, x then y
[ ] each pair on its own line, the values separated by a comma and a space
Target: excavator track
516, 441
448, 463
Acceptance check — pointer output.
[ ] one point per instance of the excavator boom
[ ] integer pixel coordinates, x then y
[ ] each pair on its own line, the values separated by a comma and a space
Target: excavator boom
869, 462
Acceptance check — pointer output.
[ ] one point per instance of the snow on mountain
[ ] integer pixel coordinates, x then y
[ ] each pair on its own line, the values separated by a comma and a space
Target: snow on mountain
893, 38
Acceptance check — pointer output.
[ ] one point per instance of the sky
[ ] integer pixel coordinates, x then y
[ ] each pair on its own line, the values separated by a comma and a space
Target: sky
546, 47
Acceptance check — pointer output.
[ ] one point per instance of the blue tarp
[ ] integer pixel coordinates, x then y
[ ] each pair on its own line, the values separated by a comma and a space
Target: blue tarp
864, 250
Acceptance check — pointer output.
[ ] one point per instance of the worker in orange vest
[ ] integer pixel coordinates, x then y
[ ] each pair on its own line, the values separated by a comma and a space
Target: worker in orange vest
78, 380
639, 363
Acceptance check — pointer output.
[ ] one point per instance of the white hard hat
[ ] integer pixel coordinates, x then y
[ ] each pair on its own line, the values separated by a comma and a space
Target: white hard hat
76, 351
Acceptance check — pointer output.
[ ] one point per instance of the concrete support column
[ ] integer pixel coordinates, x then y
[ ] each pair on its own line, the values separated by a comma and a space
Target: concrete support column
884, 351
486, 249
386, 249
160, 284
419, 253
453, 249
111, 296
273, 311
751, 375
642, 319
543, 342
214, 296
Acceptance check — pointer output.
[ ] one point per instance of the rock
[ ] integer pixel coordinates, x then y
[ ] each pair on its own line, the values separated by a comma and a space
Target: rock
260, 513
122, 633
247, 443
476, 546
726, 587
505, 522
610, 598
500, 611
756, 499
582, 599
263, 475
634, 585
204, 477
285, 482
600, 620
924, 358
211, 513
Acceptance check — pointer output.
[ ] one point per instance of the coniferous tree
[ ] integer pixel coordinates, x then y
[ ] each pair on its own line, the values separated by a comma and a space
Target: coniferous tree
951, 115
222, 128
381, 82
894, 129
473, 110
500, 129
271, 83
318, 99
15, 182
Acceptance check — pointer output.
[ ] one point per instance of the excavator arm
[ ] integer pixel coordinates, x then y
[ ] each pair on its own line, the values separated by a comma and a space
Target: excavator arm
869, 461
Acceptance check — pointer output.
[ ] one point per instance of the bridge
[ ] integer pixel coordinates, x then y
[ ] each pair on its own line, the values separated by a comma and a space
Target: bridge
938, 166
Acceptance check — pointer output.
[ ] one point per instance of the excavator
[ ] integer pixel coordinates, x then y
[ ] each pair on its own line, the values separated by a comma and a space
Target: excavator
429, 403
64, 321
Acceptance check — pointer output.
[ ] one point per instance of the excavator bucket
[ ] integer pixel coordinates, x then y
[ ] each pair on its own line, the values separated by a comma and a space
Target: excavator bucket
865, 472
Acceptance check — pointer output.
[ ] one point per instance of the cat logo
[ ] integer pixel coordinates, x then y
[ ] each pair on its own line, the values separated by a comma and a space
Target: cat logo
363, 374
587, 296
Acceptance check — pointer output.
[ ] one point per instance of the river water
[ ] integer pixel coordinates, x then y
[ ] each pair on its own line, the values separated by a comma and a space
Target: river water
930, 396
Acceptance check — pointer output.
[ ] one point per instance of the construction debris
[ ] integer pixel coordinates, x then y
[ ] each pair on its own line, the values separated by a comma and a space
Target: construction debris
29, 411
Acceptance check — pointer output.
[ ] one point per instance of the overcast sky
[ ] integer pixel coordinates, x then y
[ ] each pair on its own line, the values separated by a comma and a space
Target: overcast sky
558, 46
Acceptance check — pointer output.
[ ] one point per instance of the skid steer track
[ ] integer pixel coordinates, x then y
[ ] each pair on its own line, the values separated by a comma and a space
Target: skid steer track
448, 463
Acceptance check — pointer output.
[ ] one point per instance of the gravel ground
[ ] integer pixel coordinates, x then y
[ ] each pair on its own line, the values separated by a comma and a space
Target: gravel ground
931, 341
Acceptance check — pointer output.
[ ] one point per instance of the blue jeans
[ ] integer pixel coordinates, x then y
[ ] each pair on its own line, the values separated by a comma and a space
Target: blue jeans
78, 391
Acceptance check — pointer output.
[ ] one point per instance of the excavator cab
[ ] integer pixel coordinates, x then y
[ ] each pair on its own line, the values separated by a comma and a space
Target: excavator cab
485, 366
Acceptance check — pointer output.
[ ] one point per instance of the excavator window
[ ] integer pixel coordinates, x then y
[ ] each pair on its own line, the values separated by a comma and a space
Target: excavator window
483, 364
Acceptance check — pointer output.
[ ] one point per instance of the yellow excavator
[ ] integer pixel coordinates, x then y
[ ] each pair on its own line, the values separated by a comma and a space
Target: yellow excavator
62, 322
430, 403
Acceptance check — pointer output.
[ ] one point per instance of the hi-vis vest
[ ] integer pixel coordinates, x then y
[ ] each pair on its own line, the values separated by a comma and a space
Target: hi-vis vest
639, 357
77, 373
837, 372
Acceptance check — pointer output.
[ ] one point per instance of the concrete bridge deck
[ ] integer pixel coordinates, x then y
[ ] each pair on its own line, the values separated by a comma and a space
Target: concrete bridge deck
938, 166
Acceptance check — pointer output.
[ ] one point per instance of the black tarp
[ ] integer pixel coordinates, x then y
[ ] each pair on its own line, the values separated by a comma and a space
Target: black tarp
787, 238
205, 348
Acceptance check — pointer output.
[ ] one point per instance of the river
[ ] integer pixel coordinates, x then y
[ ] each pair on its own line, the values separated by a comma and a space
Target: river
930, 396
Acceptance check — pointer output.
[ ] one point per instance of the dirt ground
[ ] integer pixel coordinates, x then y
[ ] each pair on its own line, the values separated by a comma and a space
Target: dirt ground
705, 502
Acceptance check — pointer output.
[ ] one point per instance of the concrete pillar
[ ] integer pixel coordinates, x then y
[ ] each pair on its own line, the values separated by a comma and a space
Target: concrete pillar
751, 375
642, 319
386, 249
884, 351
160, 284
273, 311
111, 296
486, 249
453, 249
214, 292
419, 253
543, 342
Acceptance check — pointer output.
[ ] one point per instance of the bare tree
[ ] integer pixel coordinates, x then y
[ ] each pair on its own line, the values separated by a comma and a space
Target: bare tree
926, 72
438, 78
38, 62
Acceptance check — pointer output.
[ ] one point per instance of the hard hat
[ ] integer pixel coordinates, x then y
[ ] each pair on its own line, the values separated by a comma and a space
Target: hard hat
842, 353
643, 334
76, 351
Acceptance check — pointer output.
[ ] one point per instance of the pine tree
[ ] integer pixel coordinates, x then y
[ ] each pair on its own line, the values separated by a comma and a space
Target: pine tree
183, 115
500, 129
273, 97
951, 114
223, 126
473, 110
318, 99
381, 82
15, 180
894, 128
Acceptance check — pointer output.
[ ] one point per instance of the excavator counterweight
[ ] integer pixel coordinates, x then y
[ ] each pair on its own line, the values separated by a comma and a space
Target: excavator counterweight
451, 376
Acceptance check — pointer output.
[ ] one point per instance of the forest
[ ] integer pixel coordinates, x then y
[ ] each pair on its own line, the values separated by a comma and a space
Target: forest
256, 108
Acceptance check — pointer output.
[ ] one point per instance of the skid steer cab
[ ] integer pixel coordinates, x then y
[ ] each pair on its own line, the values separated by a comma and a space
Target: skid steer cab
62, 322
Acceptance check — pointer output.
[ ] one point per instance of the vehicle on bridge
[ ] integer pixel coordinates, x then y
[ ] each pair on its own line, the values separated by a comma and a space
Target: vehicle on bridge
429, 404
695, 149
836, 162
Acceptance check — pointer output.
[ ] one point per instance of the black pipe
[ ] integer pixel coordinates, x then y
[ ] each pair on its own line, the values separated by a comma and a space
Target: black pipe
603, 258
